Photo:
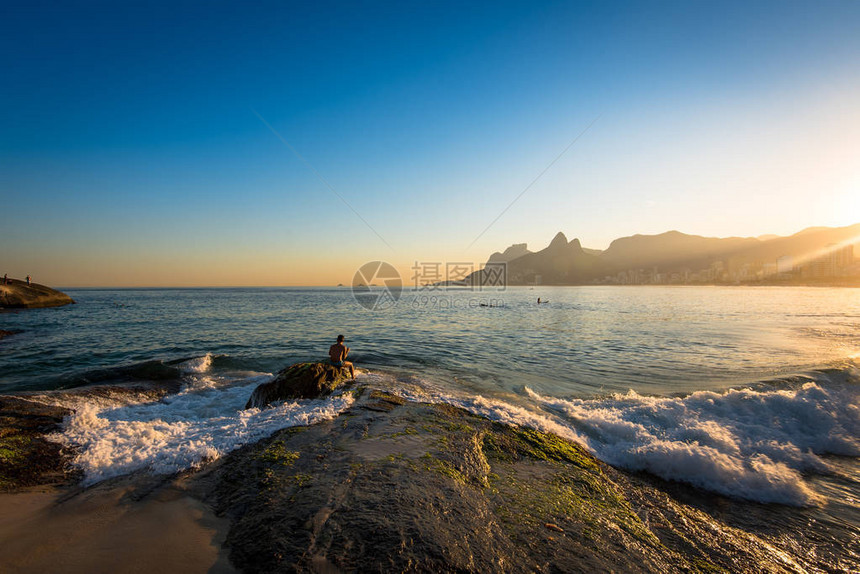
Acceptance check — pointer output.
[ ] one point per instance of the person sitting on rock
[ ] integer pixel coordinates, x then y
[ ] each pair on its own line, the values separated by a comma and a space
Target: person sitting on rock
337, 354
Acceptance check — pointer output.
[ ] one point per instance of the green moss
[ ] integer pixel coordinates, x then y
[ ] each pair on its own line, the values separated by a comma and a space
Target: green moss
442, 467
12, 449
574, 488
512, 443
277, 453
457, 427
388, 397
547, 446
450, 410
302, 480
406, 431
588, 501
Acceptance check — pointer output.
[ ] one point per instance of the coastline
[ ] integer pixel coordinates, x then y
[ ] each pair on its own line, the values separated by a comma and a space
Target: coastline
391, 483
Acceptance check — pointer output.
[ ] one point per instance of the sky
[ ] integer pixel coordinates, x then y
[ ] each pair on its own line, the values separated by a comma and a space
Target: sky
286, 143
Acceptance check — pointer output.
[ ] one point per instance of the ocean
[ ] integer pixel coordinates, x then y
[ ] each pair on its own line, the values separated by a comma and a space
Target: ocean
750, 395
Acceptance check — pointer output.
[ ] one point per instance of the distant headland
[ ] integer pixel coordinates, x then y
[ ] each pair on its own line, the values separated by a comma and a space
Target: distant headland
814, 256
17, 294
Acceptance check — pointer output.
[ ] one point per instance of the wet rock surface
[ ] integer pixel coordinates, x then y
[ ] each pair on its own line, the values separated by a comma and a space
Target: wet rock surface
393, 485
299, 381
26, 457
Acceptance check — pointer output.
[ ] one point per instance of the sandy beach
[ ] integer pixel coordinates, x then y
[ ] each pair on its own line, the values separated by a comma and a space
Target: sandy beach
119, 527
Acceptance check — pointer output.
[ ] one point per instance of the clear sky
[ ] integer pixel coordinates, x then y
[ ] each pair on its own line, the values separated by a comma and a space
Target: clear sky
132, 150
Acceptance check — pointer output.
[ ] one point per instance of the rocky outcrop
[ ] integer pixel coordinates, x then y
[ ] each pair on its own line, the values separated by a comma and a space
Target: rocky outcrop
17, 294
398, 486
26, 457
299, 381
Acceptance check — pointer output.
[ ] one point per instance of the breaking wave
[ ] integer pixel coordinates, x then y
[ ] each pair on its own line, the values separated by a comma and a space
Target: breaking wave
752, 443
204, 421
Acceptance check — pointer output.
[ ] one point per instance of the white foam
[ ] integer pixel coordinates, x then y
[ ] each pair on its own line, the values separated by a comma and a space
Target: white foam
495, 410
197, 364
182, 430
753, 444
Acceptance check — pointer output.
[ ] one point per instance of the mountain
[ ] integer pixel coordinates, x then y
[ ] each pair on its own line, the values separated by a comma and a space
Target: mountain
560, 263
803, 245
671, 249
511, 253
690, 258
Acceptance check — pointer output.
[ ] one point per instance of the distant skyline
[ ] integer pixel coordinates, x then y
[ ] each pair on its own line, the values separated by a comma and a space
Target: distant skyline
132, 150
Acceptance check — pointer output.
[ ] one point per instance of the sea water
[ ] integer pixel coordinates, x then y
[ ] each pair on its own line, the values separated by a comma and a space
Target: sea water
750, 393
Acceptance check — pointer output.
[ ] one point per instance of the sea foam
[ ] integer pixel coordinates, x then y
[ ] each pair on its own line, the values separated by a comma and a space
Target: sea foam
204, 421
748, 443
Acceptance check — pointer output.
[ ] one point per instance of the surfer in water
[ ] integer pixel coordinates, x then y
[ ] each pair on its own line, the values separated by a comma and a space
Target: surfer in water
337, 356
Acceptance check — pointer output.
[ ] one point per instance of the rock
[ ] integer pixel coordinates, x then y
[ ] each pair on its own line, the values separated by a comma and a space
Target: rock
18, 295
5, 333
397, 486
26, 457
299, 381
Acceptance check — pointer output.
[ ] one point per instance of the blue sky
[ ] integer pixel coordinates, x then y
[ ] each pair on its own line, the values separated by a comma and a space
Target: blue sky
130, 153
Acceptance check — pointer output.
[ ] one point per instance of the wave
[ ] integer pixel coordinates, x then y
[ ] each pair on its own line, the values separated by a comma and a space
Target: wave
754, 443
202, 422
151, 371
196, 364
751, 443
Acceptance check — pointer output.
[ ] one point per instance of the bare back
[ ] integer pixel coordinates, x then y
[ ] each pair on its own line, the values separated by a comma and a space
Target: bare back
337, 352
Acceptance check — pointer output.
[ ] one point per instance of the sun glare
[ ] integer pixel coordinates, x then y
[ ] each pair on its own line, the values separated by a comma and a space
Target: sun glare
846, 206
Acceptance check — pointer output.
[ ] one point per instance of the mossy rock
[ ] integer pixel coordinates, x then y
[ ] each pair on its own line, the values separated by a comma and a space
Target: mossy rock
299, 381
26, 457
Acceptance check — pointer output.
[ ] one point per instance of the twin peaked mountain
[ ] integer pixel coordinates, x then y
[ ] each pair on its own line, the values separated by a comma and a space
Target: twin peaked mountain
566, 262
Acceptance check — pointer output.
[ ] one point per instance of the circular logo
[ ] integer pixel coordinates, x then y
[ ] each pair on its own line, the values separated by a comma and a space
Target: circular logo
376, 285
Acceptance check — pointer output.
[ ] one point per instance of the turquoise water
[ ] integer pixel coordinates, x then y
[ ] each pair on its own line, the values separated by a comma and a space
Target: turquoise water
749, 393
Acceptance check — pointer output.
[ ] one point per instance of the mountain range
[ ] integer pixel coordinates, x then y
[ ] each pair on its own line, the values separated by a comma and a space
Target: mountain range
671, 254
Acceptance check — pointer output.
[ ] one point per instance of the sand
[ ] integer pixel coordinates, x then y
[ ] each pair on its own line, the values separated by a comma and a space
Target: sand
112, 528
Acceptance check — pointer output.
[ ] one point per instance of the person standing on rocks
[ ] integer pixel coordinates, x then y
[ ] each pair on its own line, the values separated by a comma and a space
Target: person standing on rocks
28, 280
337, 356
